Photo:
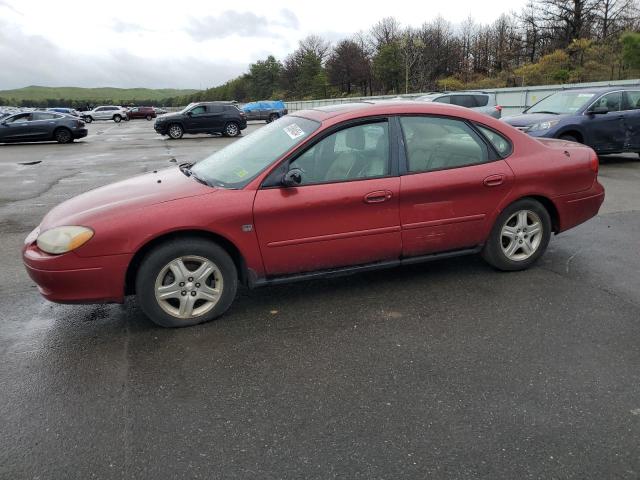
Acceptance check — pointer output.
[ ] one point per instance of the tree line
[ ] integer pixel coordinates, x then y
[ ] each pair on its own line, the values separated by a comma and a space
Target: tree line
549, 41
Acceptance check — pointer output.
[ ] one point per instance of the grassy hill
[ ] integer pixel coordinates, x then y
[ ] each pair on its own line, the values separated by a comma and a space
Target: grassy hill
96, 95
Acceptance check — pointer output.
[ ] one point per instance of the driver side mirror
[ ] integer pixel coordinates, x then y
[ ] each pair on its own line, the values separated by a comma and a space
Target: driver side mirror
599, 110
292, 178
189, 114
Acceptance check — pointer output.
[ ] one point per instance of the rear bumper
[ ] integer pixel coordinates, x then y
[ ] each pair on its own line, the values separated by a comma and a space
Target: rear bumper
80, 133
577, 208
70, 278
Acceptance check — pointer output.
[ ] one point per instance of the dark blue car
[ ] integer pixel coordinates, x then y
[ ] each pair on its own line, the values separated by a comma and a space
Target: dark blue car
606, 119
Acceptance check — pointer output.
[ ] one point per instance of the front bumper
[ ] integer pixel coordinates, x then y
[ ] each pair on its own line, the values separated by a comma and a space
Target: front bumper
161, 129
69, 278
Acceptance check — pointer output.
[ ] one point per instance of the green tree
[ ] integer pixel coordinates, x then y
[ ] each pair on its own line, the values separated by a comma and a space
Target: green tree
388, 67
631, 49
263, 78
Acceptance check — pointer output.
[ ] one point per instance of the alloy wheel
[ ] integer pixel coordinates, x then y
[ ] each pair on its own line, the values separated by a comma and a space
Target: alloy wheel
188, 287
521, 235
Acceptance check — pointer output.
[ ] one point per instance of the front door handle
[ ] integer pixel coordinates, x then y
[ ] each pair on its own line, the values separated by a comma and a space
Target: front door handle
378, 196
494, 180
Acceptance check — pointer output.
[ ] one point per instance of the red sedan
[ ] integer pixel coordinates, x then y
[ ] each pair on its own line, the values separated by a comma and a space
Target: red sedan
319, 192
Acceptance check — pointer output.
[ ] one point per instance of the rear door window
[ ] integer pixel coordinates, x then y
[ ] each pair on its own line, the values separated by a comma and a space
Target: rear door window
444, 99
632, 100
45, 116
437, 143
468, 101
481, 100
215, 108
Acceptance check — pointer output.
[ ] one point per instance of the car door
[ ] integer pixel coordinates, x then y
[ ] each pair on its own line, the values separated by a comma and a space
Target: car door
42, 125
453, 181
102, 113
343, 212
605, 132
16, 128
631, 114
196, 119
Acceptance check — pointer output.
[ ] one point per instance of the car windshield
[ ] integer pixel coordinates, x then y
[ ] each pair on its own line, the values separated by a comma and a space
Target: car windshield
237, 164
562, 103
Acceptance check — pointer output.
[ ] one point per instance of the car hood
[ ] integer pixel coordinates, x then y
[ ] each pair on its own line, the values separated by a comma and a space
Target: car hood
125, 196
168, 116
527, 119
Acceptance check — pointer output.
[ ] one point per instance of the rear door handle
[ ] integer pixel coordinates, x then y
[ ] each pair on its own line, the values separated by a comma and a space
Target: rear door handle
494, 180
378, 196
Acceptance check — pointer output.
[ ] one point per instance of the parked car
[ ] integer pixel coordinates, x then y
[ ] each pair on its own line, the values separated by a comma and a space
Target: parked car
606, 119
203, 117
318, 193
68, 111
268, 110
141, 112
41, 126
105, 112
482, 102
159, 111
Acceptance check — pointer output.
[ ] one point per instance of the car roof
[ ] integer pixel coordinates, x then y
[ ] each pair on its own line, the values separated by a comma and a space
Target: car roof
599, 89
347, 111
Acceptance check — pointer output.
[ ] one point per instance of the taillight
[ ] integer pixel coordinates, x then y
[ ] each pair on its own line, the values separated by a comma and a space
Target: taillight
498, 108
594, 163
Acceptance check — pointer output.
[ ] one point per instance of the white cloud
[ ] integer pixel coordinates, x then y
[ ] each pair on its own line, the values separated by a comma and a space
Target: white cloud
73, 42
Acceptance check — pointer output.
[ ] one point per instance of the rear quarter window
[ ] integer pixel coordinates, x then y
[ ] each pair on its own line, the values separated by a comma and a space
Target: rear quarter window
501, 143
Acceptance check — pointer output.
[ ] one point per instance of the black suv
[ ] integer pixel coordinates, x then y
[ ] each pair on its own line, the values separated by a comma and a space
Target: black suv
203, 117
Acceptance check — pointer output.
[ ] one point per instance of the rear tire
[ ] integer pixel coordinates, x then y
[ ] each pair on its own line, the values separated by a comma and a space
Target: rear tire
117, 118
175, 131
519, 236
149, 117
63, 135
186, 282
273, 117
231, 129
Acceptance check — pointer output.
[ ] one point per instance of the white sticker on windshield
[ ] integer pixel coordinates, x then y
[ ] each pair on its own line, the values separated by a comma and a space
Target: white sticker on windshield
294, 131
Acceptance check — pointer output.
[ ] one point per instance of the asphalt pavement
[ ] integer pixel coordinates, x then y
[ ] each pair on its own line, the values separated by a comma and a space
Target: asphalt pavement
443, 370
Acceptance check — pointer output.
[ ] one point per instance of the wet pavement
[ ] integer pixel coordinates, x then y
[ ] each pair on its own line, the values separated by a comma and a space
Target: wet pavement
443, 370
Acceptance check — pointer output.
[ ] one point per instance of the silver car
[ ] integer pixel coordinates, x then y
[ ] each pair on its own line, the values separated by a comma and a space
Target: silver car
105, 112
482, 102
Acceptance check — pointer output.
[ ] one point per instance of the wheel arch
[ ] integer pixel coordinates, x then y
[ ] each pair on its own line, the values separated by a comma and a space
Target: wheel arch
61, 127
226, 244
573, 131
548, 204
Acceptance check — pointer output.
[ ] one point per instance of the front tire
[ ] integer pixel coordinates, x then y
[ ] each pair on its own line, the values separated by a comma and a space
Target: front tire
186, 282
117, 118
519, 237
569, 138
88, 119
231, 129
175, 131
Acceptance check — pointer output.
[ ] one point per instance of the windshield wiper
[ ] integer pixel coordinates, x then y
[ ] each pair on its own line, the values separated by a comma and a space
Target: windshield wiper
186, 169
545, 111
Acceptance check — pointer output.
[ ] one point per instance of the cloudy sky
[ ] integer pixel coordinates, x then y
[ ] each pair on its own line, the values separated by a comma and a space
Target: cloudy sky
188, 43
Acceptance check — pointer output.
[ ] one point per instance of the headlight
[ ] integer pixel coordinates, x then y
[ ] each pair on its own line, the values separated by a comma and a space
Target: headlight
63, 239
543, 125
